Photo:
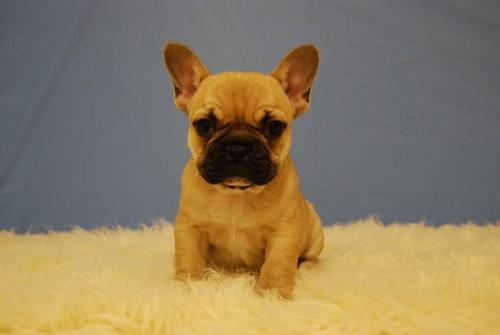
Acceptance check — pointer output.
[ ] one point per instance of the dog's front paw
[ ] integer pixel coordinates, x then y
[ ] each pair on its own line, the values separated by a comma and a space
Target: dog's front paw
284, 288
277, 278
189, 275
189, 268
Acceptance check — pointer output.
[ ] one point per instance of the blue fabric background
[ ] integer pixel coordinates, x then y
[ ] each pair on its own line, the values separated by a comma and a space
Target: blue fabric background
405, 119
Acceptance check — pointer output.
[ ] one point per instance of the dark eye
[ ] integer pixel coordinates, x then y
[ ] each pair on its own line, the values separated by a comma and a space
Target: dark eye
203, 126
275, 128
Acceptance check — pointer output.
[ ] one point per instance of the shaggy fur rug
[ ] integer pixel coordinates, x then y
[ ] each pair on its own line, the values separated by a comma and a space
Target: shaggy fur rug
371, 279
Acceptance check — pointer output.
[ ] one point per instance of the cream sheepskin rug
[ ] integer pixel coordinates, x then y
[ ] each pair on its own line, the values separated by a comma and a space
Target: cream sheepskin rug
371, 279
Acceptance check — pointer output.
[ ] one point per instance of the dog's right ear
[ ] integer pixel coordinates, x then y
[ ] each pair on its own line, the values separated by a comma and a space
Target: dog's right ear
296, 73
186, 70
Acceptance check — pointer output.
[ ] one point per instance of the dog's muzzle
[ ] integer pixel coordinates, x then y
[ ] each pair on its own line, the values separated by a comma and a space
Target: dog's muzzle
237, 157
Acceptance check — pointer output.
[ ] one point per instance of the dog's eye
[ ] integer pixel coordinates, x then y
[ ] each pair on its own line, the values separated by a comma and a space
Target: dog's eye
203, 126
275, 128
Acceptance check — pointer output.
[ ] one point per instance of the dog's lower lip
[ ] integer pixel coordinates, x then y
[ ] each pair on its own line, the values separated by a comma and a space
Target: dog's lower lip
237, 186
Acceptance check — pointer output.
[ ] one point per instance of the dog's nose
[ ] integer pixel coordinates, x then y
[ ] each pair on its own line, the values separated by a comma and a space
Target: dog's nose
237, 150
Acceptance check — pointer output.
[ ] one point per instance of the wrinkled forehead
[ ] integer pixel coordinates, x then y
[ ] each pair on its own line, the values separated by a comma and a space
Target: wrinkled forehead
240, 97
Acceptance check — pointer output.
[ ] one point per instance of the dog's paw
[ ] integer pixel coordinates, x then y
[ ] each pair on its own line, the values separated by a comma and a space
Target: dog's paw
304, 263
192, 275
284, 288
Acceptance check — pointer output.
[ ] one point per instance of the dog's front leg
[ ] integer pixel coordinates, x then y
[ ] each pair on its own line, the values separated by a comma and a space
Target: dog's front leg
190, 250
278, 270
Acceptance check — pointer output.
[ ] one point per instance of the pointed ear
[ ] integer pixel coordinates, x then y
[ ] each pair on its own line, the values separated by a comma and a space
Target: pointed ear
296, 73
186, 71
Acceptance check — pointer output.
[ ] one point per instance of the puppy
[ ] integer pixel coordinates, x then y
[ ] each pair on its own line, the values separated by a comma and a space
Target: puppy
240, 204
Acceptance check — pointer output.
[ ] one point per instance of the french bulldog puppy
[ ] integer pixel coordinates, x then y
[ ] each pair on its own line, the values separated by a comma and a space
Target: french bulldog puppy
240, 204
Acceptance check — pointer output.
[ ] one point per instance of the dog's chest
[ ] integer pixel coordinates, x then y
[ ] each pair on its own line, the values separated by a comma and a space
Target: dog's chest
235, 230
234, 245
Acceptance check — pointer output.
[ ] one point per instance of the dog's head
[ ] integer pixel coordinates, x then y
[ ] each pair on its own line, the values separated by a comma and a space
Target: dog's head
240, 122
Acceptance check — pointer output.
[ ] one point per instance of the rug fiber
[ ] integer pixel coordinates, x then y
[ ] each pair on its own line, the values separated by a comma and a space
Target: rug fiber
371, 279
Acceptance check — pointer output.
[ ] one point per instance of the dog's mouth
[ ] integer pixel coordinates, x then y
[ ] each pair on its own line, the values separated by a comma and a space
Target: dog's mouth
239, 184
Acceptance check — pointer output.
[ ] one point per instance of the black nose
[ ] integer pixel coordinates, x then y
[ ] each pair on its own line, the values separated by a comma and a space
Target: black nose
237, 150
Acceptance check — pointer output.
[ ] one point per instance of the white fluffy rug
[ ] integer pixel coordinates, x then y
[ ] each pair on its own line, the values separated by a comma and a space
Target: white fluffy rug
371, 279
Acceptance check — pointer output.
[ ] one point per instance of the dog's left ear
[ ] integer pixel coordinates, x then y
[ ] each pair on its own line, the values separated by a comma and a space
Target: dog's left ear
186, 70
296, 73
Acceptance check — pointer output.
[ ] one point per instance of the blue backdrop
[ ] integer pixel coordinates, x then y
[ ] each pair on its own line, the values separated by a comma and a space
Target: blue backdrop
404, 123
